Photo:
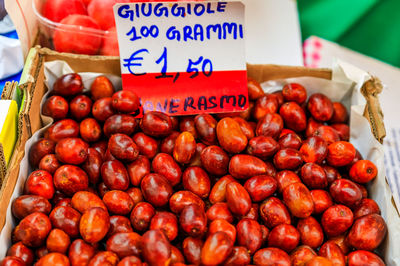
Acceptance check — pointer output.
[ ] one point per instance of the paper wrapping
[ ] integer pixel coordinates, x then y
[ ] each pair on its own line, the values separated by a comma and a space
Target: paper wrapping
345, 86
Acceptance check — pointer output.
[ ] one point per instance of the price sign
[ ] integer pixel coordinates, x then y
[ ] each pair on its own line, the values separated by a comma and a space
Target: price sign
184, 57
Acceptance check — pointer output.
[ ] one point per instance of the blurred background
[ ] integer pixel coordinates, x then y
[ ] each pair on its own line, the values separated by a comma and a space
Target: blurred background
371, 27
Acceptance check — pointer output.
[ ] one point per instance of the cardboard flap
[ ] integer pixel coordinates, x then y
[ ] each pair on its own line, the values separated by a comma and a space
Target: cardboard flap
84, 63
263, 73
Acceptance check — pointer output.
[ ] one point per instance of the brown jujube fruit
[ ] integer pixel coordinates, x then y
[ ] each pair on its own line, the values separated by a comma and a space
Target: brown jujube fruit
65, 128
156, 249
239, 256
39, 149
80, 107
298, 199
320, 107
90, 130
104, 257
311, 233
71, 151
293, 116
141, 216
244, 166
237, 198
290, 140
270, 125
332, 252
314, 176
363, 257
196, 180
249, 234
102, 109
32, 230
266, 104
336, 220
101, 88
67, 219
181, 199
219, 210
114, 175
176, 255
168, 143
68, 85
262, 147
230, 136
136, 195
147, 146
223, 226
185, 148
255, 90
193, 220
166, 222
217, 247
125, 101
80, 252
94, 224
165, 165
119, 224
56, 107
58, 241
156, 189
215, 160
27, 204
118, 202
125, 244
261, 187
191, 248
123, 147
156, 124
301, 255
287, 159
367, 232
92, 165
187, 124
294, 92
284, 236
70, 179
53, 258
271, 256
120, 123
84, 200
21, 251
205, 125
138, 169
273, 212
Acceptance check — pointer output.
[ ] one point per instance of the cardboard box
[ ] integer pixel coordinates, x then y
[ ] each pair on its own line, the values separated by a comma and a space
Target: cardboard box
32, 83
31, 121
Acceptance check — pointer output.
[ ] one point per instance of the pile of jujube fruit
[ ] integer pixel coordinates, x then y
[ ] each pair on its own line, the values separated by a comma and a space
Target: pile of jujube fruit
277, 184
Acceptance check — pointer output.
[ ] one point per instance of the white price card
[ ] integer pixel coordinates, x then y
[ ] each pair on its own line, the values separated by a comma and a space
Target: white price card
184, 57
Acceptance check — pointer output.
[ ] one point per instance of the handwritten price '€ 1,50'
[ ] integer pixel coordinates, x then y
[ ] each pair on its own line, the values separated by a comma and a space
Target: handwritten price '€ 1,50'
200, 66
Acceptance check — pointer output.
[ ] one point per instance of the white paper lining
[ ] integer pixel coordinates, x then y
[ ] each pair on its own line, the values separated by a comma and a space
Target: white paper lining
345, 87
